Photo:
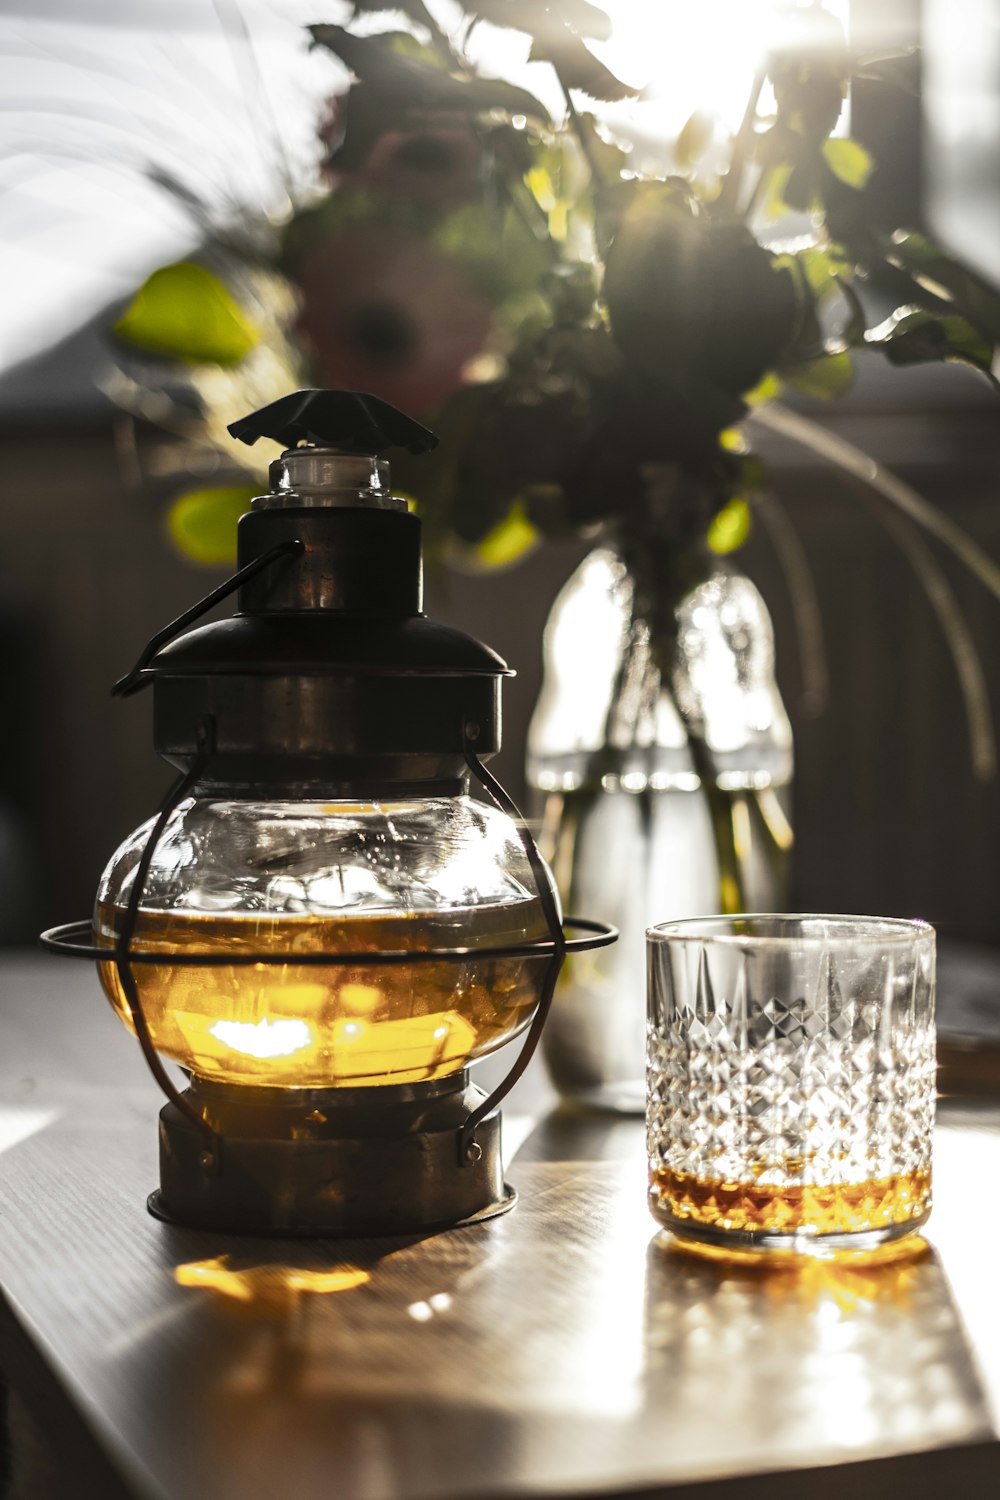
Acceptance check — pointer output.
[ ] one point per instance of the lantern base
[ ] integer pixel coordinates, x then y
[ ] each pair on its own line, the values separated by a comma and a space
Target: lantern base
338, 1163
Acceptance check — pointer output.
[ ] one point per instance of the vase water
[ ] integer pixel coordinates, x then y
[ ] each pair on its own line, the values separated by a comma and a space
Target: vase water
627, 826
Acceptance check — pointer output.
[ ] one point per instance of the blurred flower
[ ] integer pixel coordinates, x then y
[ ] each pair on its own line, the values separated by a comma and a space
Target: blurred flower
437, 164
584, 333
438, 167
389, 312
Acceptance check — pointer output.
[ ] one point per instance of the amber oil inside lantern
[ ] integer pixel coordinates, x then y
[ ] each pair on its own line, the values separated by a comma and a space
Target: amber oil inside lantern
323, 1025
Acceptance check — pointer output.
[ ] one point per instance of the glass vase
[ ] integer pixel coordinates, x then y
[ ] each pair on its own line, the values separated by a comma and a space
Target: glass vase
629, 829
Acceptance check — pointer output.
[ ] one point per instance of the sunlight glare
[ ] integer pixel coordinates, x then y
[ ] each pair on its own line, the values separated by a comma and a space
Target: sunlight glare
690, 57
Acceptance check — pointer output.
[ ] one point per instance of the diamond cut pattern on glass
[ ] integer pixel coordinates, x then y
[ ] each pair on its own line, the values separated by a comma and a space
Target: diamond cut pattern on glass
813, 1111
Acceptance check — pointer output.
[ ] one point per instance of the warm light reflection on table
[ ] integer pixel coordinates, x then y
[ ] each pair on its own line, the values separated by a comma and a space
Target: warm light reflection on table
266, 1284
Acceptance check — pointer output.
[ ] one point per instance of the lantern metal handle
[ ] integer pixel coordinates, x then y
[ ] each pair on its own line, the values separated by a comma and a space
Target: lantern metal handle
133, 680
469, 1149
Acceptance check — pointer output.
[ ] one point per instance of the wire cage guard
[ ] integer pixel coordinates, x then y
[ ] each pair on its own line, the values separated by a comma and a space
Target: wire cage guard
69, 940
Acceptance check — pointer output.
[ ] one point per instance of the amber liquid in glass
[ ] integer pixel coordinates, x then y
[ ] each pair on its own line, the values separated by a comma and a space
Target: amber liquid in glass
322, 1025
773, 1208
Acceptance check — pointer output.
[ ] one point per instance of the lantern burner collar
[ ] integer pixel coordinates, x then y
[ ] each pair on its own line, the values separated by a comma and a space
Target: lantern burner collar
311, 477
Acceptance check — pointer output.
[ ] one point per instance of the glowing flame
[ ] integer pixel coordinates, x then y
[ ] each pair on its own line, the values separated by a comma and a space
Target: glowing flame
266, 1038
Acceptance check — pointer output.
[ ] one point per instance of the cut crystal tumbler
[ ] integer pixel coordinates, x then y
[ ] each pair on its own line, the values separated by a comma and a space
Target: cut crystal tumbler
791, 1073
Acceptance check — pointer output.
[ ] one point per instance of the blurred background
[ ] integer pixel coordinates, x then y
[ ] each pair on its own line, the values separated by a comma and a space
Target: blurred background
113, 111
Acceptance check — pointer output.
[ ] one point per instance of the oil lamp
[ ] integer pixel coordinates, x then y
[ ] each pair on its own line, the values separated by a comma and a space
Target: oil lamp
321, 926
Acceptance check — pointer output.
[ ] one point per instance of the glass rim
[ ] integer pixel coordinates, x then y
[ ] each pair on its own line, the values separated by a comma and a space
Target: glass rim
846, 929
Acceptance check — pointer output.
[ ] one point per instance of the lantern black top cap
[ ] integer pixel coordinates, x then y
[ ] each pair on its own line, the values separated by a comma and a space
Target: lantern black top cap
349, 421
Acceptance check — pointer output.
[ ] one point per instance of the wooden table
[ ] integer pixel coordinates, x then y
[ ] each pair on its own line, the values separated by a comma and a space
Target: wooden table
561, 1350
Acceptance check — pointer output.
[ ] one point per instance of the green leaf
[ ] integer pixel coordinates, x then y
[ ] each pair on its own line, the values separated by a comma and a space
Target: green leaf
509, 541
608, 160
805, 338
542, 188
369, 57
915, 249
583, 18
849, 161
775, 205
405, 44
544, 20
822, 266
362, 113
809, 71
413, 83
501, 253
610, 155
828, 376
767, 389
694, 139
914, 336
415, 9
899, 69
730, 528
936, 272
697, 295
792, 169
202, 523
853, 331
579, 69
185, 312
802, 188
480, 95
